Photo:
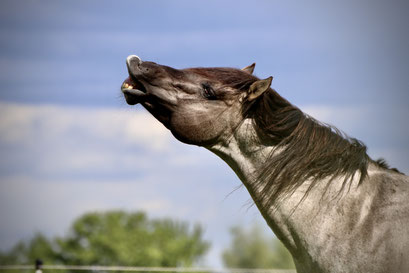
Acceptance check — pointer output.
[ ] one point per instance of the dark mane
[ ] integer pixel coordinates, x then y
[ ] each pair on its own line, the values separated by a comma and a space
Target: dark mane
308, 149
383, 164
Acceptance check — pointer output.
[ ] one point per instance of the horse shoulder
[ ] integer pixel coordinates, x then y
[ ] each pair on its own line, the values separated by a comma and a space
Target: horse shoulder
370, 223
382, 223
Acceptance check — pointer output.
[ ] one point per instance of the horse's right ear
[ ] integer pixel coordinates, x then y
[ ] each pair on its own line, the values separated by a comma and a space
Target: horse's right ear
250, 68
258, 88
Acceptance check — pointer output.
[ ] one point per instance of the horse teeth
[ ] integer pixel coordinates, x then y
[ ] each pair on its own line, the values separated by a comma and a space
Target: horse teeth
126, 85
130, 87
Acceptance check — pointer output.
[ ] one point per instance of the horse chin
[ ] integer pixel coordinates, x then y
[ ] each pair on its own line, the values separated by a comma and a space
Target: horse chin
134, 96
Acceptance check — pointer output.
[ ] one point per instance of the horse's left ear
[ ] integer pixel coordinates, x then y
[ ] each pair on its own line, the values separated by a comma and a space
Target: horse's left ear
250, 68
258, 88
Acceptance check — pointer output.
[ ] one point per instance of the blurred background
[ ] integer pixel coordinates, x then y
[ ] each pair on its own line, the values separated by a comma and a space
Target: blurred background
75, 158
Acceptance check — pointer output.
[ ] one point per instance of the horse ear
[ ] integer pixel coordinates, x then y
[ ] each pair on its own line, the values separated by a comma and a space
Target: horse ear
250, 68
258, 88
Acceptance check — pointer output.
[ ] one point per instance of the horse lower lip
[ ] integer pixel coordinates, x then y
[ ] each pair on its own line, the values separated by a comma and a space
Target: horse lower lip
134, 92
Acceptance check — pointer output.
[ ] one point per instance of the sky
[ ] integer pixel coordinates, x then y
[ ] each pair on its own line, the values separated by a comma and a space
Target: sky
69, 143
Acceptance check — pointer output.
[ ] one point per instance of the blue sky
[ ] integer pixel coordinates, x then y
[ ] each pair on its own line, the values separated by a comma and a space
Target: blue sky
70, 144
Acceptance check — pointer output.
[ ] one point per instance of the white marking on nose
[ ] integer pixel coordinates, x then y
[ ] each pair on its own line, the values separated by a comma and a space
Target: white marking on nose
133, 58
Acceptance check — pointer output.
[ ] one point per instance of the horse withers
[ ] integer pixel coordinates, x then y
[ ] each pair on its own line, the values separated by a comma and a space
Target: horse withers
333, 207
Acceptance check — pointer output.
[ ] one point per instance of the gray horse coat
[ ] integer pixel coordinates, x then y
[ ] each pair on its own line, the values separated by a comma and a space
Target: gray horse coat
333, 207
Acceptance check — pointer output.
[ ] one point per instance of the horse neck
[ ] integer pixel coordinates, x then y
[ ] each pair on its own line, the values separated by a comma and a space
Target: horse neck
246, 154
320, 223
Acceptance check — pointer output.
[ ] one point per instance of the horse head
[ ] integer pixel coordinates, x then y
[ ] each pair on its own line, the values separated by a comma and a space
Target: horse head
199, 106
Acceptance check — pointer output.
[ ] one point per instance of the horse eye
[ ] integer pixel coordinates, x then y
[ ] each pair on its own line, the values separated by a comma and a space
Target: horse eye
208, 92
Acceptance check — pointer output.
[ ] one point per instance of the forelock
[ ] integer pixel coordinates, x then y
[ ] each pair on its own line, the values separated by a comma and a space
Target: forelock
231, 77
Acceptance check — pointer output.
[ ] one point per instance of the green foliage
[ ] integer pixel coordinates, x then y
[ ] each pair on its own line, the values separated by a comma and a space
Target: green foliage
116, 238
253, 249
26, 253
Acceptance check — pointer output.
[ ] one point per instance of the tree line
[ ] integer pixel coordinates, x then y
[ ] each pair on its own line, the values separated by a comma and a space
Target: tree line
132, 239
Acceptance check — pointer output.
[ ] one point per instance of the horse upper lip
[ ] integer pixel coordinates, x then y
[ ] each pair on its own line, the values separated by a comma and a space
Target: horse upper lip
132, 88
132, 63
131, 84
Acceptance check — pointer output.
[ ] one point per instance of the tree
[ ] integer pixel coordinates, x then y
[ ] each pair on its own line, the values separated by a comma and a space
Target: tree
116, 238
27, 252
253, 249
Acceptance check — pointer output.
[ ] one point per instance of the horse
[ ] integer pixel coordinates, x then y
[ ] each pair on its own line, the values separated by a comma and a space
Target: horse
334, 208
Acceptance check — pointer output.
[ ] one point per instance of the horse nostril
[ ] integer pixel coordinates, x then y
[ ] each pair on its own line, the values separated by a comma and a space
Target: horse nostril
133, 59
132, 62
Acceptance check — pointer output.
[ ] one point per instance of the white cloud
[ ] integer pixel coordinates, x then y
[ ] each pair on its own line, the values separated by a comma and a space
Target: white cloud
58, 140
50, 206
19, 122
49, 139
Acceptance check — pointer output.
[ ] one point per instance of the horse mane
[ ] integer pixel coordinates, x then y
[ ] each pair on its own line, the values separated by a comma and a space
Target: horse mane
305, 149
